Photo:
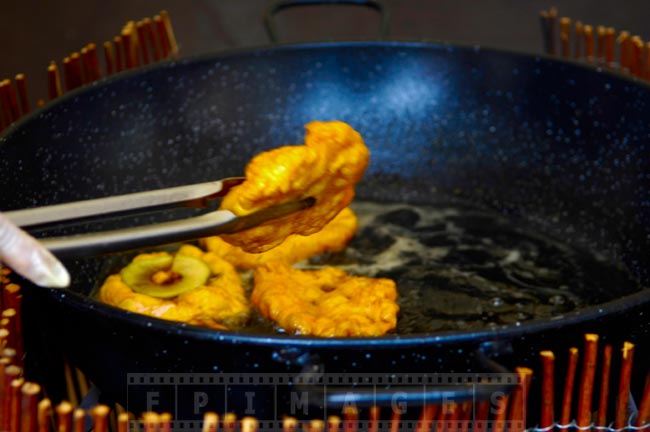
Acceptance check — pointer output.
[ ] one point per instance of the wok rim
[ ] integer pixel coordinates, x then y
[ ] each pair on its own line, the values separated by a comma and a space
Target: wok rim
234, 52
87, 304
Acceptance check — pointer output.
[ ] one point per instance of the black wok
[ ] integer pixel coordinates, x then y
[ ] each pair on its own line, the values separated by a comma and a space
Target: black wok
561, 146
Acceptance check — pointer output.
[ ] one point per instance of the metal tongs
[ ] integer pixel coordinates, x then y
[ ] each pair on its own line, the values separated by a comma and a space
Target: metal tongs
97, 243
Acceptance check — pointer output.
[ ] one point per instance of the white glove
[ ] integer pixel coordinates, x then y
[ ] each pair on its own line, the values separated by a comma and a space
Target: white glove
27, 257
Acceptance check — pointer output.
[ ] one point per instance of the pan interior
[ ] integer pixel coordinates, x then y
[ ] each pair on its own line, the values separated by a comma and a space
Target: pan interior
460, 267
549, 146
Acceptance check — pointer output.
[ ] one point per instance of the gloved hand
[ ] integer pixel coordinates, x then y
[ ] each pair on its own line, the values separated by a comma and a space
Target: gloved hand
27, 257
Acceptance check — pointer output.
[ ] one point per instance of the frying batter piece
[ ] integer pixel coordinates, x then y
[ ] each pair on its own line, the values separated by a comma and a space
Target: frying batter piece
332, 238
327, 302
329, 164
219, 303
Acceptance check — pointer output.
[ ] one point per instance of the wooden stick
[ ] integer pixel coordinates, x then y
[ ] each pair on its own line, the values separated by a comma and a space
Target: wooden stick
85, 65
601, 419
7, 112
610, 46
94, 62
210, 422
29, 407
64, 417
519, 402
578, 40
229, 422
552, 25
82, 382
128, 45
546, 31
22, 93
623, 43
315, 425
109, 58
11, 374
99, 415
76, 78
500, 414
123, 422
589, 43
67, 74
250, 424
395, 420
637, 66
374, 417
464, 417
585, 394
44, 415
13, 102
481, 416
166, 422
71, 388
439, 415
290, 424
350, 419
53, 81
643, 418
90, 63
333, 423
600, 50
150, 421
452, 412
565, 417
4, 102
2, 126
119, 65
15, 404
427, 417
4, 364
78, 420
548, 389
169, 31
142, 37
133, 30
624, 386
162, 36
150, 36
646, 61
565, 36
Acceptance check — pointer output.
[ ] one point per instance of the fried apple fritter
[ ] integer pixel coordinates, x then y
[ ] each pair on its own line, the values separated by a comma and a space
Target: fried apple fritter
327, 302
326, 168
220, 303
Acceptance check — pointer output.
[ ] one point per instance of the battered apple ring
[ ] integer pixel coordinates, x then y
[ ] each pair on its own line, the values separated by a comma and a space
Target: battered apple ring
326, 302
332, 238
329, 164
220, 303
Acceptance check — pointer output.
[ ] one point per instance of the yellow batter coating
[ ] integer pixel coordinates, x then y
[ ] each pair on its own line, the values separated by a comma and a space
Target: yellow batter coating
221, 303
329, 164
326, 302
332, 238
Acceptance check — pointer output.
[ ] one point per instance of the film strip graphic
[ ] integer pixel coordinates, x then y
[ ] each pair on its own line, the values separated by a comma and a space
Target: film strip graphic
269, 397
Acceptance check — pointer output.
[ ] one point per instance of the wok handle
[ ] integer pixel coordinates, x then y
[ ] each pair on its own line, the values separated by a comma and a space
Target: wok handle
280, 5
495, 382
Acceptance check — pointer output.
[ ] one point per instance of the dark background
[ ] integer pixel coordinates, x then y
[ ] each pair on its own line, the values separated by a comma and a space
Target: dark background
33, 32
